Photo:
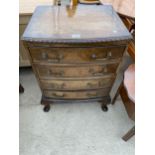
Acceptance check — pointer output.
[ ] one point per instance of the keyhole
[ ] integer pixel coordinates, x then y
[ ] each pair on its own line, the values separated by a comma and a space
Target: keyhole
44, 55
93, 56
109, 54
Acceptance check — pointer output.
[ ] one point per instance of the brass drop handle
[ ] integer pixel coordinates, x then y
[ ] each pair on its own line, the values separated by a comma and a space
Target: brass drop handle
108, 55
45, 57
58, 95
61, 56
92, 94
50, 72
57, 86
102, 72
61, 73
105, 70
94, 73
53, 60
98, 74
91, 85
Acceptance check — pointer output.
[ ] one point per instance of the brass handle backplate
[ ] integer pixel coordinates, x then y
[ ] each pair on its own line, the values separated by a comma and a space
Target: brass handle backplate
58, 58
92, 94
99, 73
57, 86
108, 56
92, 85
52, 73
58, 95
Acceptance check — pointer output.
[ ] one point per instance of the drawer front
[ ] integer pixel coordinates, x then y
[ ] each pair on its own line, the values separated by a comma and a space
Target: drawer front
81, 84
53, 71
76, 94
76, 55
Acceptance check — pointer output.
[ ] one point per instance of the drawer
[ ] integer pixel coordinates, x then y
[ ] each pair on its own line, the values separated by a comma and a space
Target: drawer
76, 55
76, 94
78, 84
61, 71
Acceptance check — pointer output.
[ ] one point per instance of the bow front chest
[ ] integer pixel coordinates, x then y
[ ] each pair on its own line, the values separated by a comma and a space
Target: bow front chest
75, 51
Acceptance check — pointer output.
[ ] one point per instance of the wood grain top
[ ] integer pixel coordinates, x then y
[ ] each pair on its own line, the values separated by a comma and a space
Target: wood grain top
82, 23
129, 81
124, 7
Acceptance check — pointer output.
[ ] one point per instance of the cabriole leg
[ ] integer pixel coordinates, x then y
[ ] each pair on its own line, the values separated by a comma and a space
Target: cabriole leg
46, 104
105, 102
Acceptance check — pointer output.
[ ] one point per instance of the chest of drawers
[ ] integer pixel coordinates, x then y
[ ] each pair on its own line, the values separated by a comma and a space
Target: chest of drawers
75, 58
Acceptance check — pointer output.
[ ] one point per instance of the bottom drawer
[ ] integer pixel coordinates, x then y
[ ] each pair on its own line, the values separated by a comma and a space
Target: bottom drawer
77, 94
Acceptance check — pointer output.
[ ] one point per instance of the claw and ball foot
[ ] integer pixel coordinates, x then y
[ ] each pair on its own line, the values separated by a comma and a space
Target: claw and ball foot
46, 104
46, 108
104, 107
105, 102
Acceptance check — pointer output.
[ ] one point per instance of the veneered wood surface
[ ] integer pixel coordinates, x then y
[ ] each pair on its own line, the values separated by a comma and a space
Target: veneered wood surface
77, 94
50, 71
124, 7
131, 50
129, 82
129, 105
76, 55
90, 23
128, 22
78, 84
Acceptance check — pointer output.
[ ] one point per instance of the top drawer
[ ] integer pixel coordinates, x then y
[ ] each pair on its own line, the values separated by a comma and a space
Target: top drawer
76, 55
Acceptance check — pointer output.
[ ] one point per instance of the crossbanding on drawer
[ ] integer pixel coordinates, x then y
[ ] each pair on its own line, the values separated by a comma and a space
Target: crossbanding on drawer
76, 94
78, 84
61, 71
76, 55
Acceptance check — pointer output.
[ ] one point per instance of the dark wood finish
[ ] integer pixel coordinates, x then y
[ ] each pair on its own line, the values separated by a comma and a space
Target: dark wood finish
116, 95
78, 84
77, 94
127, 93
105, 103
46, 104
129, 82
76, 55
130, 24
129, 134
129, 105
70, 62
131, 50
50, 71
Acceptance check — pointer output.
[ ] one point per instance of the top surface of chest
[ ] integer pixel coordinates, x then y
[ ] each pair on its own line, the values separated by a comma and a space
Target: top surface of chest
81, 23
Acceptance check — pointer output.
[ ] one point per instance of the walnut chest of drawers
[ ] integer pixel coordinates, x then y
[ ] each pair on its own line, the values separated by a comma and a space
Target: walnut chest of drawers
75, 51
